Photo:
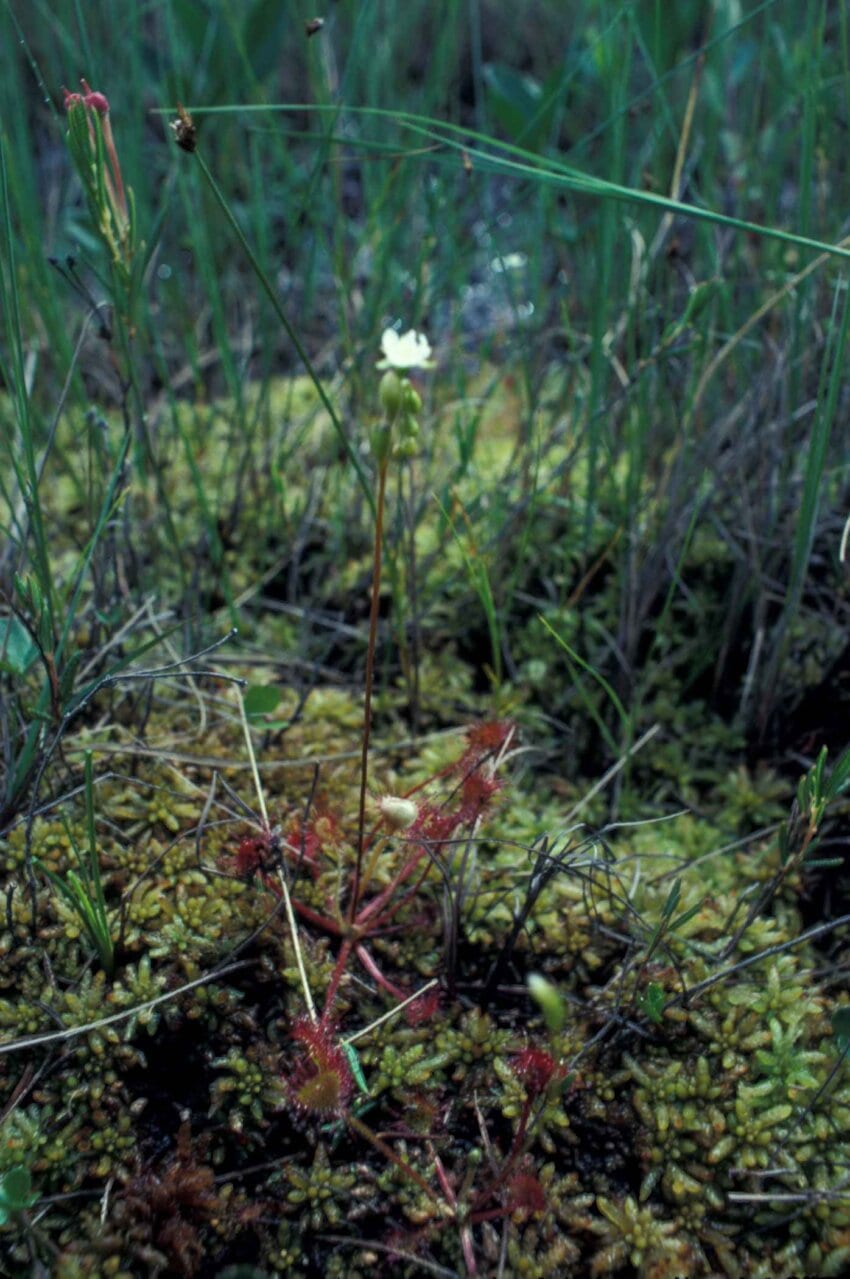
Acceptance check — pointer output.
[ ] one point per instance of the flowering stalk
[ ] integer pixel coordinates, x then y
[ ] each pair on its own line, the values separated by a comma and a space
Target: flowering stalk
400, 403
370, 671
92, 146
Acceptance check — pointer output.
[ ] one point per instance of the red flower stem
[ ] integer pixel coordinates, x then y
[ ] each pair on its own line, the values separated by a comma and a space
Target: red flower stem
370, 671
519, 1138
336, 977
466, 1242
507, 1166
374, 971
324, 922
491, 1214
378, 903
109, 142
411, 892
445, 1184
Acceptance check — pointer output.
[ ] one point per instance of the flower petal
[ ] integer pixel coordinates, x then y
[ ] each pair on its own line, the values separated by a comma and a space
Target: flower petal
410, 350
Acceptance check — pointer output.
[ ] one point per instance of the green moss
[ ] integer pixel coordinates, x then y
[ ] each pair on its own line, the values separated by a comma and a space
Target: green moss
249, 1087
319, 1193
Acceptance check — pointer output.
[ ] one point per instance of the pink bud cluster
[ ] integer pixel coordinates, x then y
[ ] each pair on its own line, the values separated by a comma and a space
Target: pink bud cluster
88, 98
92, 101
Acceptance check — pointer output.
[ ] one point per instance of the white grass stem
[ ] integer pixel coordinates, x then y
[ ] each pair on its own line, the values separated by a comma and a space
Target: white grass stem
612, 772
299, 958
284, 887
393, 1012
249, 745
58, 1036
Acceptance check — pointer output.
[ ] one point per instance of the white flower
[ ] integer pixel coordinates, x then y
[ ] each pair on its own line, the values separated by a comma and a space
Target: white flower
410, 350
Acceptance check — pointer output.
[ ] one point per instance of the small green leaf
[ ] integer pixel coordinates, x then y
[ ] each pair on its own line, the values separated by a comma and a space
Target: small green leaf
651, 1002
698, 299
262, 699
672, 899
17, 650
549, 1001
29, 593
841, 1027
803, 794
521, 105
16, 1192
356, 1069
839, 777
685, 916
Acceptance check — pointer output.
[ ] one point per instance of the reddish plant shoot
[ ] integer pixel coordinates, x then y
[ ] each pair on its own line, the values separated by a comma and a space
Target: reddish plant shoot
535, 1069
321, 1083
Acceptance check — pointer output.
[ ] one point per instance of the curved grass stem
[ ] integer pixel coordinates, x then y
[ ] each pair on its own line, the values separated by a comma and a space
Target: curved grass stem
291, 333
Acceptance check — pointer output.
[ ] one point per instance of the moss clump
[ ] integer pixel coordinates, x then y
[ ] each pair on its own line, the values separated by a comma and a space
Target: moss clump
655, 1116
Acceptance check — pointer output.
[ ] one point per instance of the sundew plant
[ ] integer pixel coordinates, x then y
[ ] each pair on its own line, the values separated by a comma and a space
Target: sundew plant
424, 520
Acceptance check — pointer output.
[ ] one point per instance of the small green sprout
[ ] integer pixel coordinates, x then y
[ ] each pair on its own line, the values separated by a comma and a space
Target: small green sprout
549, 1001
651, 1002
356, 1068
82, 889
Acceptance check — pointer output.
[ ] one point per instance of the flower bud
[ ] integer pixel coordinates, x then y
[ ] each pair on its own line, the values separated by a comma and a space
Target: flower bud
97, 102
406, 448
90, 97
398, 813
407, 442
412, 398
391, 393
